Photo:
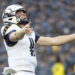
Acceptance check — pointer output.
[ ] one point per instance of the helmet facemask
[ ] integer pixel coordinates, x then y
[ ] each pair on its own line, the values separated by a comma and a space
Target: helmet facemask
25, 20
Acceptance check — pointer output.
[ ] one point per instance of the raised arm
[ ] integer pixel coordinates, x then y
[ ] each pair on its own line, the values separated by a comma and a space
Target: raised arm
59, 40
20, 33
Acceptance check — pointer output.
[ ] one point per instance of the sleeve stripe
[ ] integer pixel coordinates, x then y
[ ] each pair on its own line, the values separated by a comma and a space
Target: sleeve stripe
8, 41
36, 37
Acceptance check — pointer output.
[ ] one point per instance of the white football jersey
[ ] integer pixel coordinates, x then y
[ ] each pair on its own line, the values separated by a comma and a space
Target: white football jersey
21, 56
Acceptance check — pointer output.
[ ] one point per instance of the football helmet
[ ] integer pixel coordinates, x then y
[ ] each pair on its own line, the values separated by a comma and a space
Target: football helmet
9, 14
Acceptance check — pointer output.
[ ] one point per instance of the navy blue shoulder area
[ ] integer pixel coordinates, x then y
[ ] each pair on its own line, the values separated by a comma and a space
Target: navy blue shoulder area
8, 41
36, 37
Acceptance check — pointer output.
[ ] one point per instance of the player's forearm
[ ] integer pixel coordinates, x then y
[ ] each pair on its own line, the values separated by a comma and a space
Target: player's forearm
19, 34
63, 39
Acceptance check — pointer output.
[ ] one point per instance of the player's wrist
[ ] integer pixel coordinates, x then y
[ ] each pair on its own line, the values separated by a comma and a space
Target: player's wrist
74, 36
23, 31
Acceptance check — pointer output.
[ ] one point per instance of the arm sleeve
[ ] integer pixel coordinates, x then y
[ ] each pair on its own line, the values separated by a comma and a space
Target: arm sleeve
37, 37
8, 41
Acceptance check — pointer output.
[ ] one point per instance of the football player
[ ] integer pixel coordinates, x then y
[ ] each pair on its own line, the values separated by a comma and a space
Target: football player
20, 39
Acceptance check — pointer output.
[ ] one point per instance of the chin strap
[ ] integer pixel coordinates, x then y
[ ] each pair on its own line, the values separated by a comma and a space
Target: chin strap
24, 21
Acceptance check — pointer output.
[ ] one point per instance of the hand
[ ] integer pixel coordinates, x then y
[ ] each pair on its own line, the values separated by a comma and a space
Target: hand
27, 29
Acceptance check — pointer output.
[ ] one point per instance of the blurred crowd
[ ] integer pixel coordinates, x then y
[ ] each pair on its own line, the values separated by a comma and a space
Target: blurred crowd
49, 18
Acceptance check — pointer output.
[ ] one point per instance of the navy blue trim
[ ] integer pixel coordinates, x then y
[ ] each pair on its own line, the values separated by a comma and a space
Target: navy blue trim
8, 41
36, 37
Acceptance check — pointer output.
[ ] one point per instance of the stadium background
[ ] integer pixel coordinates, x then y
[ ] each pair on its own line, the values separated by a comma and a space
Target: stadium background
49, 18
